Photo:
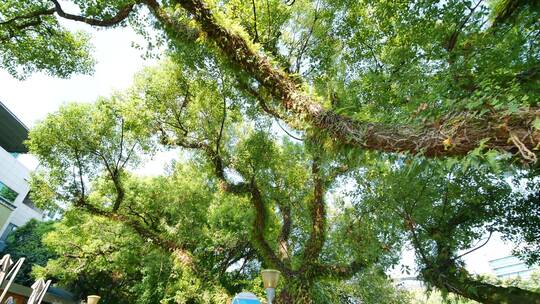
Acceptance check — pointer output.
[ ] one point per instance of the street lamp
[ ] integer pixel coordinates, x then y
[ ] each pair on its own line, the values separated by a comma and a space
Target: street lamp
93, 299
270, 279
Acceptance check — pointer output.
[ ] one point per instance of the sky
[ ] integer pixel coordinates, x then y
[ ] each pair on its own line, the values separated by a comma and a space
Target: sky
117, 62
477, 262
40, 94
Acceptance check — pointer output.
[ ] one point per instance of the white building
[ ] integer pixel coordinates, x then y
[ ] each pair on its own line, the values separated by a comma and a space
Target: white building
511, 266
16, 208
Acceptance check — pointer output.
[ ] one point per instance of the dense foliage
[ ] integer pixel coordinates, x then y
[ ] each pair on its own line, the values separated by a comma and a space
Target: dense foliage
242, 198
447, 211
26, 242
316, 137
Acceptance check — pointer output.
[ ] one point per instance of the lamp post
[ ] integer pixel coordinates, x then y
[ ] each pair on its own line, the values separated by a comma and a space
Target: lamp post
93, 299
270, 279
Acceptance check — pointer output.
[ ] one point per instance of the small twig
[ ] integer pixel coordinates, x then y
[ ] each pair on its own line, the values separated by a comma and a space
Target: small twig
256, 39
277, 121
474, 249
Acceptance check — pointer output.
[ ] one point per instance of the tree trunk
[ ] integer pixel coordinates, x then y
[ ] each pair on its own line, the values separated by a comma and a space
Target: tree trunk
294, 293
464, 285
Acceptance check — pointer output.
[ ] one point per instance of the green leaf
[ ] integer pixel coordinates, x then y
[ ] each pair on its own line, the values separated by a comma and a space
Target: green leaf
536, 123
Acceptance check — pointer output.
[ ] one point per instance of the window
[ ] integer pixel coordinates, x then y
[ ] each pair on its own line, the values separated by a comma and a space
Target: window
9, 229
7, 194
28, 202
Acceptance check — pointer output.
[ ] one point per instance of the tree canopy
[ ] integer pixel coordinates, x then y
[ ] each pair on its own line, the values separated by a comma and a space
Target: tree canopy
248, 194
282, 186
438, 78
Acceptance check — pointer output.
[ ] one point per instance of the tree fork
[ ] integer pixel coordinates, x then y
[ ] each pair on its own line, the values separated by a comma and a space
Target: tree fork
259, 226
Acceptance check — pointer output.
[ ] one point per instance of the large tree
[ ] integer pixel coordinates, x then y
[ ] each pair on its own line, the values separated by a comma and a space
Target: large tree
249, 191
242, 194
434, 78
438, 78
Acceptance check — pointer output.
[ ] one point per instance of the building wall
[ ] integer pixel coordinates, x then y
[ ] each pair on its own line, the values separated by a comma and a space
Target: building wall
409, 283
14, 175
510, 266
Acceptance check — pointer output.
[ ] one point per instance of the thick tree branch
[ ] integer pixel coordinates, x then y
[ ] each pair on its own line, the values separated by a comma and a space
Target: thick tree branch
509, 10
285, 232
120, 192
114, 173
446, 275
32, 15
464, 285
120, 16
465, 132
259, 227
317, 210
182, 31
